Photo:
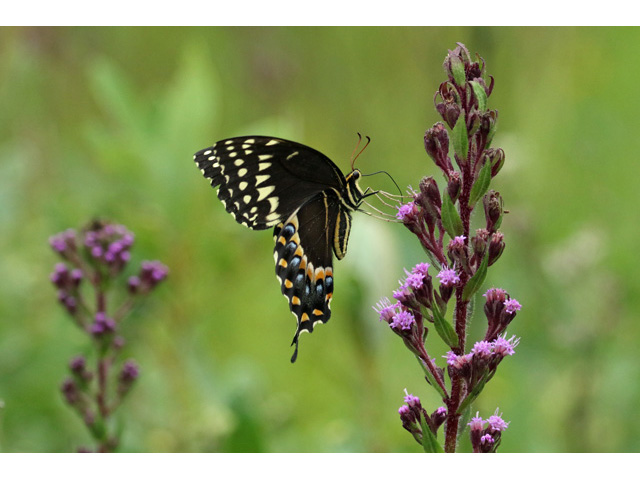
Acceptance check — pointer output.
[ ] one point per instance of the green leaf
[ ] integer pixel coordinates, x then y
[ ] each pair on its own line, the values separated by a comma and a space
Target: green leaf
460, 138
457, 69
429, 441
473, 394
444, 328
466, 416
450, 217
481, 184
481, 95
476, 281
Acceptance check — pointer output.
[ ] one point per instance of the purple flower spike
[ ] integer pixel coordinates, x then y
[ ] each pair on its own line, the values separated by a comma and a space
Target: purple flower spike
441, 218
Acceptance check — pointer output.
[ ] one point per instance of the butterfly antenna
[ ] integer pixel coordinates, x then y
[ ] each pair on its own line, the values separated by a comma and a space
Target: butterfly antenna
388, 175
353, 154
353, 159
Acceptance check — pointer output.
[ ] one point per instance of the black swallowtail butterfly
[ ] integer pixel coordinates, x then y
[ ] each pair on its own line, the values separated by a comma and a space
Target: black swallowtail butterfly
269, 182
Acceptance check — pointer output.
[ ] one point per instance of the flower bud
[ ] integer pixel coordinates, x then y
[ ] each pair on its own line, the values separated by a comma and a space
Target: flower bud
64, 243
448, 110
70, 391
479, 242
453, 186
438, 417
448, 280
429, 197
496, 247
151, 274
128, 375
496, 157
102, 325
459, 365
436, 143
493, 210
488, 123
458, 253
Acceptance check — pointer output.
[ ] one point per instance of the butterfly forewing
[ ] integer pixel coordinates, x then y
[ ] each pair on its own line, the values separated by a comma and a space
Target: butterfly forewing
263, 180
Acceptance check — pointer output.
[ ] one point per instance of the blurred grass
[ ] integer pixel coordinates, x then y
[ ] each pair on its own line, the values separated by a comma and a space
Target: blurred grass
104, 122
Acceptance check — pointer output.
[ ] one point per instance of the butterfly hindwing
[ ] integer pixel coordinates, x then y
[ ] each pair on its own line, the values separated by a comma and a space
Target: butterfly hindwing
263, 180
304, 260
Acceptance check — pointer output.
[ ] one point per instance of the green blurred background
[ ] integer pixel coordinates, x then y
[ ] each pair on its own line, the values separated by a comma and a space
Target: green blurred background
105, 121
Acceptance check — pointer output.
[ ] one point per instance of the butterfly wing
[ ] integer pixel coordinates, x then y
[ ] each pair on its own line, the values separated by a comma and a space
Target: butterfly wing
263, 180
303, 252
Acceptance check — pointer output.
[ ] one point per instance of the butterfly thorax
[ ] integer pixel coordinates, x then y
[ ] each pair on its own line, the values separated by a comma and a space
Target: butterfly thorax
354, 192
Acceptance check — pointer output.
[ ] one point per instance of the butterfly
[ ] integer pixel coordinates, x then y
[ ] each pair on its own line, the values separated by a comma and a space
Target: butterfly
267, 182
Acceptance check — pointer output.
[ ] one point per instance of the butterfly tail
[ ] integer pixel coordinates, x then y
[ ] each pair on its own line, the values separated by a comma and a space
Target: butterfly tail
295, 341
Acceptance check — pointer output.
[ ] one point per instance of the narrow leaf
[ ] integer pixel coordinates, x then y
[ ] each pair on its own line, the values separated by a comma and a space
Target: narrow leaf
481, 184
475, 282
444, 328
481, 95
459, 137
429, 441
473, 394
457, 69
450, 217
